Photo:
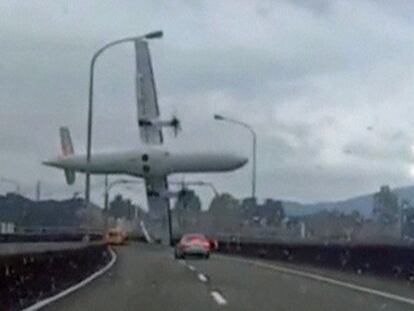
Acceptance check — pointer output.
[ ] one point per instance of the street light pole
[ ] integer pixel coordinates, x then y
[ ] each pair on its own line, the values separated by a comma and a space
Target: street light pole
38, 190
108, 187
151, 35
106, 199
254, 146
170, 234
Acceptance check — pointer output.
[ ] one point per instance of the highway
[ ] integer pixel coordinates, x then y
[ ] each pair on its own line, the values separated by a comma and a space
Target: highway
146, 277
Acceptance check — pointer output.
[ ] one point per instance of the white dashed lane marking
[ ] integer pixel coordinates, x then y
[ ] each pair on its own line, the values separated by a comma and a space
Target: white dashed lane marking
219, 299
202, 277
324, 279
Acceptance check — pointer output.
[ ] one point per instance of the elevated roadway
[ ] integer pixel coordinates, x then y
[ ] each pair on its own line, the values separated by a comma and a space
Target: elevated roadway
146, 277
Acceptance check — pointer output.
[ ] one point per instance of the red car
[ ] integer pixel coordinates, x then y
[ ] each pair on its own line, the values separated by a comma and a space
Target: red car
193, 244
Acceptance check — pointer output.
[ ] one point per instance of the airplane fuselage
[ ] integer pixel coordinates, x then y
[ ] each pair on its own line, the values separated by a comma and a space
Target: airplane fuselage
149, 163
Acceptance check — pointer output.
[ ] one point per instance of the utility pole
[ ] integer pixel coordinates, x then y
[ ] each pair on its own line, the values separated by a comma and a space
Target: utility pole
148, 36
38, 190
169, 223
254, 146
106, 200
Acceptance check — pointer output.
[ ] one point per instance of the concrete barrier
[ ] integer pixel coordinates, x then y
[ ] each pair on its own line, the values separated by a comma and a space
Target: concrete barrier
29, 276
396, 261
48, 237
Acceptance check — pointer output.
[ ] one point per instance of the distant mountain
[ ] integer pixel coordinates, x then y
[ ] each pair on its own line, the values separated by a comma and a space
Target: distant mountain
294, 209
362, 204
406, 193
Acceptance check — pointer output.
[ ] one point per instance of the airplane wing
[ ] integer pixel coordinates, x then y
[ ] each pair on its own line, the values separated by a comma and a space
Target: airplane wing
158, 204
147, 105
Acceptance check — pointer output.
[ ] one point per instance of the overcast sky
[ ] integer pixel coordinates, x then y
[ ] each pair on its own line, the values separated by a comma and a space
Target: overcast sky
328, 86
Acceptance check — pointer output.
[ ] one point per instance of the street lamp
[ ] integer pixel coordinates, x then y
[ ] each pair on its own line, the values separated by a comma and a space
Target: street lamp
108, 187
148, 36
245, 125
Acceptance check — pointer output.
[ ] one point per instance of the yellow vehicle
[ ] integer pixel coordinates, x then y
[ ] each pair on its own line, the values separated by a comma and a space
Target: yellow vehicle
116, 236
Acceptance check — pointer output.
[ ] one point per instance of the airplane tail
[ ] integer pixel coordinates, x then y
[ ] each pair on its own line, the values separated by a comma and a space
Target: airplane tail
67, 150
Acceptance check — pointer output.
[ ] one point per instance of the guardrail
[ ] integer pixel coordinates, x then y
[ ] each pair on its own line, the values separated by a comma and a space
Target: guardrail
49, 237
33, 271
386, 260
381, 259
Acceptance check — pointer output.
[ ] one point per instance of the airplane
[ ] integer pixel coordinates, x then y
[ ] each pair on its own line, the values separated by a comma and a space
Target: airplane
152, 163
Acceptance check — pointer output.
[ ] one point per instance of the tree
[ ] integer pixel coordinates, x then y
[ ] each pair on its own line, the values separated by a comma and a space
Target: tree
385, 207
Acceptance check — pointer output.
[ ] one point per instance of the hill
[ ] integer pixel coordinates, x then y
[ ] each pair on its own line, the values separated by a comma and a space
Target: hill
363, 204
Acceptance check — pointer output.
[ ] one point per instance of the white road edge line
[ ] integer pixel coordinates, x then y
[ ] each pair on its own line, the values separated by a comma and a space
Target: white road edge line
328, 280
44, 302
191, 267
202, 277
218, 298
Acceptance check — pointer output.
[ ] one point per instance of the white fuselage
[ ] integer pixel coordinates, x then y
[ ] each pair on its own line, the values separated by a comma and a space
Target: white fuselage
153, 162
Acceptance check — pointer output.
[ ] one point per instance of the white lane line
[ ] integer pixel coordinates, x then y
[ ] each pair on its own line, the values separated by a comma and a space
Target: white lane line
49, 300
218, 298
145, 231
327, 280
191, 267
202, 277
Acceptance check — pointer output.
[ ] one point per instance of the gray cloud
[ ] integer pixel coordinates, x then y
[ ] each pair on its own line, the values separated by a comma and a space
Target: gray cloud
326, 85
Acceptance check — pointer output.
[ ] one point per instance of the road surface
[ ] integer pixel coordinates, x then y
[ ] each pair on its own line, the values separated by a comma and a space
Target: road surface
146, 277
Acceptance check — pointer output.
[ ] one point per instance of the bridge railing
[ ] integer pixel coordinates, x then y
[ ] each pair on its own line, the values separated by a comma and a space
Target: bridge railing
51, 234
30, 272
388, 260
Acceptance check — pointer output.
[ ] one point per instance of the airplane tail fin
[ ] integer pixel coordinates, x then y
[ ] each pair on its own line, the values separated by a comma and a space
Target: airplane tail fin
66, 142
67, 150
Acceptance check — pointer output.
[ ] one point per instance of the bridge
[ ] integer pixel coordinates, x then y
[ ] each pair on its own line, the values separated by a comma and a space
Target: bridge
146, 277
53, 270
141, 276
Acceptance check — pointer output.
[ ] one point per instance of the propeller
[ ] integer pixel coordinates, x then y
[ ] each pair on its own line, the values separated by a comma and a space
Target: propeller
176, 124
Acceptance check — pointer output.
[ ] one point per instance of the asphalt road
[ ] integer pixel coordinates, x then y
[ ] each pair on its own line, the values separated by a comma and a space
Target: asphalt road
146, 277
